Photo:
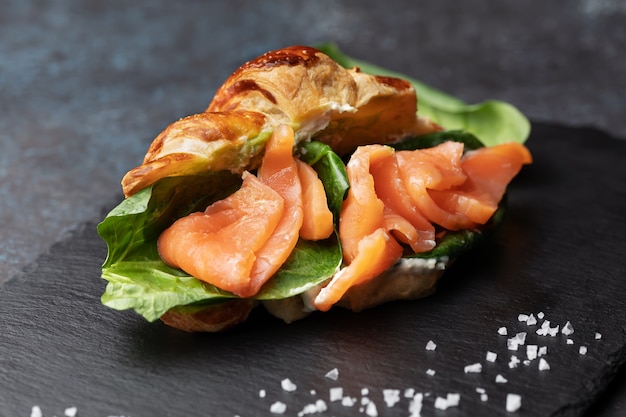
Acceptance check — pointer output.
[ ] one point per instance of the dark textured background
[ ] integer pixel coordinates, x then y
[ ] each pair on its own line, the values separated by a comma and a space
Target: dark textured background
86, 85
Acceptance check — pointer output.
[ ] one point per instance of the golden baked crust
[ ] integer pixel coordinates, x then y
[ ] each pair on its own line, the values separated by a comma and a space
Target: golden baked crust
298, 86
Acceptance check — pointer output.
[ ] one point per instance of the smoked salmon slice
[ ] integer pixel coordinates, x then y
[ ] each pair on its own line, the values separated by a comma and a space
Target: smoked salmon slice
278, 170
318, 219
436, 168
489, 171
376, 253
393, 193
368, 248
362, 211
218, 246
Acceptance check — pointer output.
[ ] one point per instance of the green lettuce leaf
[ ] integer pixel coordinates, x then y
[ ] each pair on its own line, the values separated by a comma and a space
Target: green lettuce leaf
492, 121
139, 280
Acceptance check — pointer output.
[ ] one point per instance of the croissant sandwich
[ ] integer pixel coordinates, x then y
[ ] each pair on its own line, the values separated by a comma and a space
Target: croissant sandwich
304, 185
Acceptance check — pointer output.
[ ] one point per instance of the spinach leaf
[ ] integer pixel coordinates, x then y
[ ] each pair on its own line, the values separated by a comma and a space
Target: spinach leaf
137, 277
331, 171
492, 121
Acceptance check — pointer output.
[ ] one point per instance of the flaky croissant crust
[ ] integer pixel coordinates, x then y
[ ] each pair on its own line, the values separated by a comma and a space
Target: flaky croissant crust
298, 86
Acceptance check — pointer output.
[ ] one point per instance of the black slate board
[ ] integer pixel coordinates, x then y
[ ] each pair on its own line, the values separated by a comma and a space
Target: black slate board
560, 251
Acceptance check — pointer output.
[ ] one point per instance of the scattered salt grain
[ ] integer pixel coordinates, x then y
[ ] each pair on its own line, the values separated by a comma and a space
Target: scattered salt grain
532, 320
409, 393
365, 391
278, 407
36, 411
262, 393
431, 345
522, 317
333, 374
514, 342
546, 330
480, 390
570, 341
540, 315
451, 400
502, 331
513, 402
415, 406
513, 362
318, 407
430, 372
543, 365
567, 329
526, 362
313, 392
491, 356
598, 336
70, 412
543, 350
371, 410
348, 401
500, 379
582, 350
484, 397
335, 394
287, 385
391, 397
531, 352
474, 368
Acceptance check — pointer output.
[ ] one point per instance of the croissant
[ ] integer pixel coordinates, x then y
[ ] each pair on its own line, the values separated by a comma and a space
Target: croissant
298, 86
317, 99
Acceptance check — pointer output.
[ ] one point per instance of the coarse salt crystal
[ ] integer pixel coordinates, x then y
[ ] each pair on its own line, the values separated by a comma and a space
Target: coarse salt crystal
543, 350
36, 411
531, 352
516, 341
430, 372
262, 393
502, 331
526, 362
501, 380
480, 390
365, 391
409, 392
474, 368
540, 315
451, 400
513, 402
513, 362
391, 397
415, 406
570, 341
532, 320
567, 329
318, 407
336, 394
333, 374
543, 365
348, 401
371, 410
287, 385
582, 350
278, 407
598, 336
491, 356
522, 317
431, 345
70, 412
484, 397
